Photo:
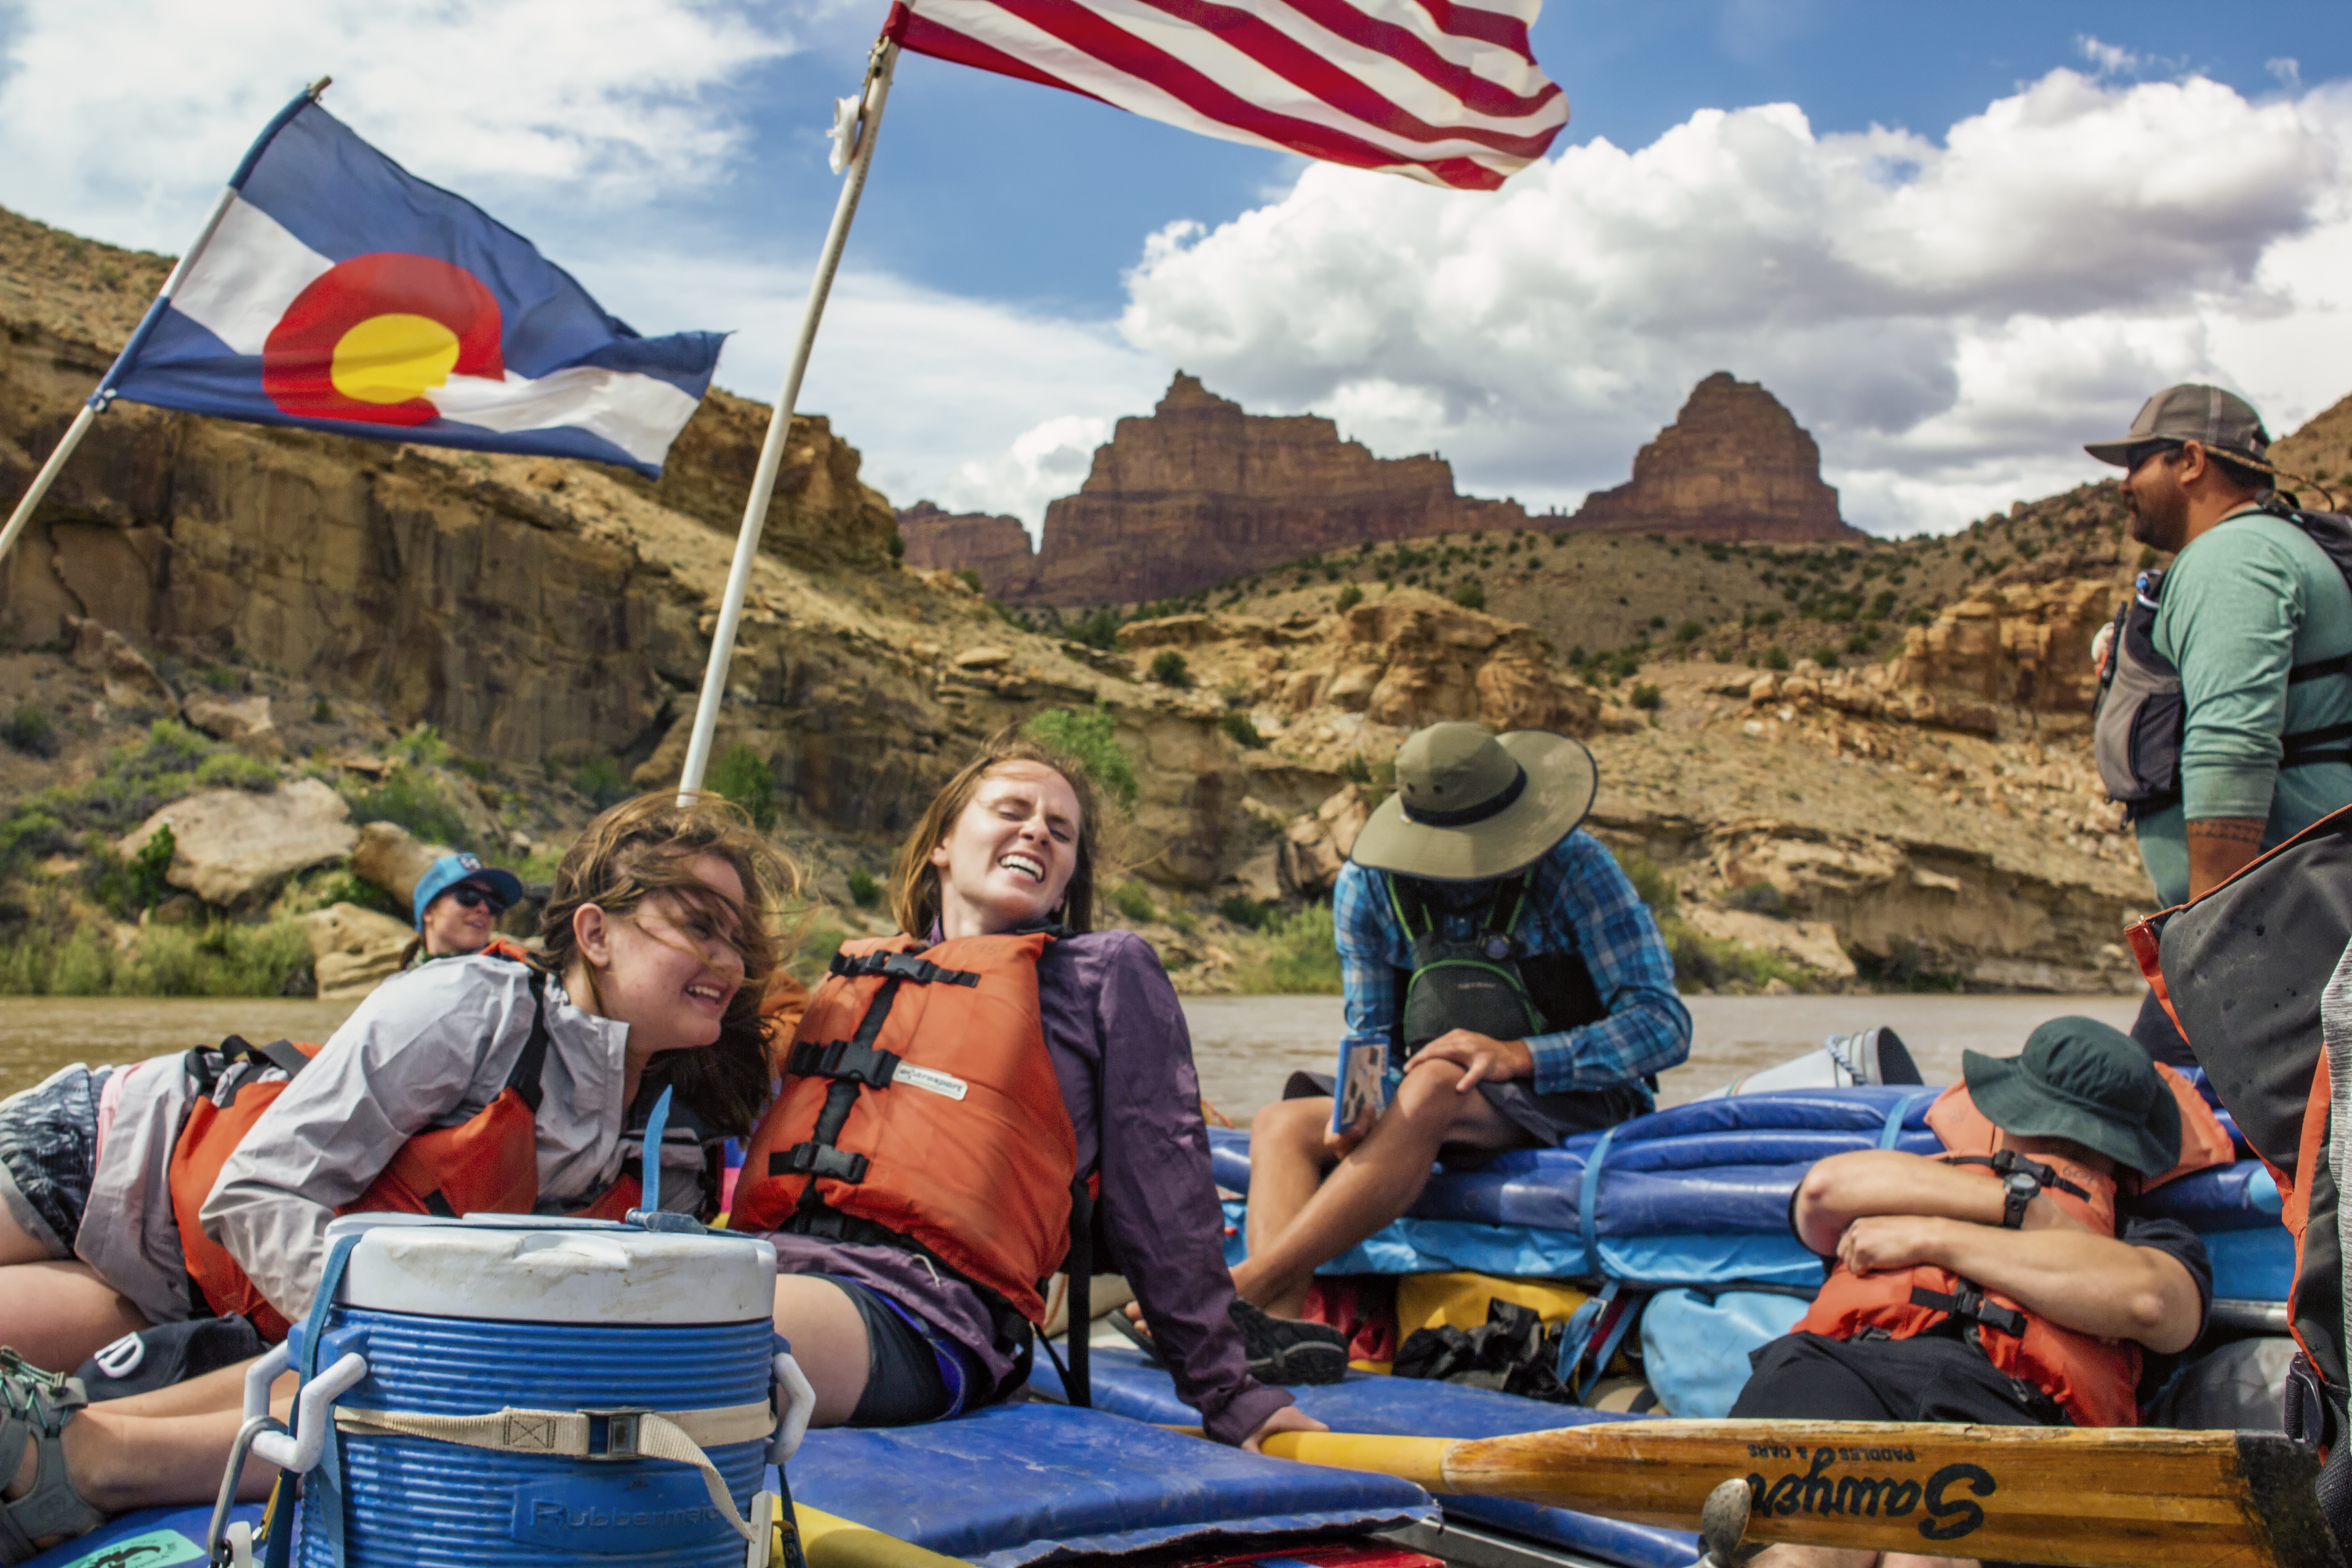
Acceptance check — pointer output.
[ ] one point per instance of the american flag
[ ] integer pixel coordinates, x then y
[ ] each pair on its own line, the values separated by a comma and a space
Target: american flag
1441, 91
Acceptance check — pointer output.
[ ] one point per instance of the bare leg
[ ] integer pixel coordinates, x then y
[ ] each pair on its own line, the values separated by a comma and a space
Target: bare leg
18, 1244
828, 1340
1375, 1183
1287, 1159
57, 1314
1837, 1557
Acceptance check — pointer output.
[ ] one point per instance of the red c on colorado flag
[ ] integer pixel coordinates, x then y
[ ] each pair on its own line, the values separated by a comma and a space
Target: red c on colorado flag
370, 337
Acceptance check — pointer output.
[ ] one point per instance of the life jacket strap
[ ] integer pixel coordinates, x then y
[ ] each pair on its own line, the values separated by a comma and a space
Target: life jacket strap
812, 1159
1970, 1302
851, 1059
2005, 1162
901, 967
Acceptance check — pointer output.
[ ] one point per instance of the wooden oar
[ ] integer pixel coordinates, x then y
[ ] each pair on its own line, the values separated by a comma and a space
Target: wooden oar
2123, 1498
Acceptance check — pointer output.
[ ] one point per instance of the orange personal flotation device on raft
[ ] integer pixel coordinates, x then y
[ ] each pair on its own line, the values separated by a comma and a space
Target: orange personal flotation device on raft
488, 1163
920, 1106
2095, 1381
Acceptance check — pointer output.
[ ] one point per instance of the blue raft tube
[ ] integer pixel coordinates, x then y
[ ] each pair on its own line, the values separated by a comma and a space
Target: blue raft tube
526, 1391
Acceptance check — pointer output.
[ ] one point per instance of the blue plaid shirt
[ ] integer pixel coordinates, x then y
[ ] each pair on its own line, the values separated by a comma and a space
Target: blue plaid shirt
1577, 901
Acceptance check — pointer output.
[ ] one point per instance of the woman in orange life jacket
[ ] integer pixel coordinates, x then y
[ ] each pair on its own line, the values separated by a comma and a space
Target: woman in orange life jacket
914, 1216
658, 943
1997, 1284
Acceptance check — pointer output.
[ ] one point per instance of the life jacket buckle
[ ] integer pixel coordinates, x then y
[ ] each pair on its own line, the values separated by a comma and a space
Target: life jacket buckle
613, 1432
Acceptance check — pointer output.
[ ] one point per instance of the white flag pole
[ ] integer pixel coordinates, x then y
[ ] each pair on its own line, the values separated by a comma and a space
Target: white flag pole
875, 92
97, 400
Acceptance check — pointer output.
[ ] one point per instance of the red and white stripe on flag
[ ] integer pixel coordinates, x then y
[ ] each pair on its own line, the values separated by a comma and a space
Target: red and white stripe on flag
1438, 90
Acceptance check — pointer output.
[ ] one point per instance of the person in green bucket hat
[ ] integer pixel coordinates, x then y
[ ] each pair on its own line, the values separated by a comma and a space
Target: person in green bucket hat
1998, 1282
1505, 988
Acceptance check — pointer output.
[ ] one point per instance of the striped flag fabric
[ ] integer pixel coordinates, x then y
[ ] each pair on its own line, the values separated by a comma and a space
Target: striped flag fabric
1441, 91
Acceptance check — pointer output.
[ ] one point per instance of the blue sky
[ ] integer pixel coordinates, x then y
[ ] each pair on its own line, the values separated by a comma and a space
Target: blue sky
1956, 241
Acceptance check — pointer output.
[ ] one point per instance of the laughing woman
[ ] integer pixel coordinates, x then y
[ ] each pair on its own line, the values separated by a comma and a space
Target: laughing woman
916, 1175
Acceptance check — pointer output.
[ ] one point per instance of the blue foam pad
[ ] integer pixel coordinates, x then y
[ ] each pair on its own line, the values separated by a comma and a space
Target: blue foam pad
1124, 1383
150, 1538
1017, 1484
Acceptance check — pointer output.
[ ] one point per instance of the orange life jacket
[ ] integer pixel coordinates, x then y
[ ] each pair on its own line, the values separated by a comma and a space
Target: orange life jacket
919, 1106
488, 1163
2095, 1381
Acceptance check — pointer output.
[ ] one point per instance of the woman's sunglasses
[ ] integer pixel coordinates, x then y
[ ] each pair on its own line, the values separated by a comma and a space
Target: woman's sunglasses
472, 898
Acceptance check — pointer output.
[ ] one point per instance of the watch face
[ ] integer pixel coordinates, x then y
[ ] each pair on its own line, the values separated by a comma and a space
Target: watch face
1498, 948
2018, 1181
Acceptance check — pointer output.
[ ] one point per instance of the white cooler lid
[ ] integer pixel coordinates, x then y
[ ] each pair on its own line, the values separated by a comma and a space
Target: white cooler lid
526, 1269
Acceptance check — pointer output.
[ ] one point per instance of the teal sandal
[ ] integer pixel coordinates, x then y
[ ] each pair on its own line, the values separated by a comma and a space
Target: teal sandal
35, 1406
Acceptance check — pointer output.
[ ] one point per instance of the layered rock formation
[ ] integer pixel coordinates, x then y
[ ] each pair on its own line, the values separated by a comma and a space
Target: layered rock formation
995, 548
1735, 465
1200, 492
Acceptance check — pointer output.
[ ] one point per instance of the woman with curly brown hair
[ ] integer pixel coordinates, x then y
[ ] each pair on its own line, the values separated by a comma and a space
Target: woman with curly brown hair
494, 1075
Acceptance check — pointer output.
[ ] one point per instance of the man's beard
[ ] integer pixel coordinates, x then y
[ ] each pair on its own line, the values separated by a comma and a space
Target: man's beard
2160, 522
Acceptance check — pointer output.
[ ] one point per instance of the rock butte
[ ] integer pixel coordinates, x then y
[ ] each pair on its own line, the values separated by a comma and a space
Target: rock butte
1199, 491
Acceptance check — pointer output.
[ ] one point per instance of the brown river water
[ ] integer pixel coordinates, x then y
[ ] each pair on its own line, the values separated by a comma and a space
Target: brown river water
1246, 1045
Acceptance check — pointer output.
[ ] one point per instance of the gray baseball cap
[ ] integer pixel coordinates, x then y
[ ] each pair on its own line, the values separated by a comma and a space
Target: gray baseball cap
2219, 421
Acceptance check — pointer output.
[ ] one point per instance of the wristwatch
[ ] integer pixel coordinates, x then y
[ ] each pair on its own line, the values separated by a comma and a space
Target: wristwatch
2018, 1191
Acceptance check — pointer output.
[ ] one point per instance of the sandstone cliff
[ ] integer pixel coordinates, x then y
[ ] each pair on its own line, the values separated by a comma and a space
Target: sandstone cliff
1200, 492
1735, 464
996, 549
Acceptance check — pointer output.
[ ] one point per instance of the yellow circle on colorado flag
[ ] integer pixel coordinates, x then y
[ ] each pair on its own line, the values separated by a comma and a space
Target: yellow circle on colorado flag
393, 358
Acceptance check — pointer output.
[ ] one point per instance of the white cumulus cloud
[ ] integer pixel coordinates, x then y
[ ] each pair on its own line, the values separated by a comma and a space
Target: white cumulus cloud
1951, 318
124, 122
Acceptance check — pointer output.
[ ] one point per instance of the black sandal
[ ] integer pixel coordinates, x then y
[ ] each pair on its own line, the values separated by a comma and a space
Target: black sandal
1136, 1335
35, 1405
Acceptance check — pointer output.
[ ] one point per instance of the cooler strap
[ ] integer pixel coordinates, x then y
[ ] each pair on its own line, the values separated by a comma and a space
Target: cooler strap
678, 1436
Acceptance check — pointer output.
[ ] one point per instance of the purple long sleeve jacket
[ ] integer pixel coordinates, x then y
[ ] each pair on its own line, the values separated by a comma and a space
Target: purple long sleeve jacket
1111, 1018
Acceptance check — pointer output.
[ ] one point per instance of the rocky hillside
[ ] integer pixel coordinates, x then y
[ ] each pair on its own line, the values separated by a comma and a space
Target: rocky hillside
1734, 465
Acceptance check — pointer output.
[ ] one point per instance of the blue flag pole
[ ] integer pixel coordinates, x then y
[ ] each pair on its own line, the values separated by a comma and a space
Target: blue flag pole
875, 92
97, 402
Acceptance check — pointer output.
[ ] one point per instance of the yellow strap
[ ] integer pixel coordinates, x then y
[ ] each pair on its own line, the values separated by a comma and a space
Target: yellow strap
677, 1436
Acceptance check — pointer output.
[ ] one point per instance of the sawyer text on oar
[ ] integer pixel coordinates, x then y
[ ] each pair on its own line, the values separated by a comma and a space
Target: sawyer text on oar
1944, 1514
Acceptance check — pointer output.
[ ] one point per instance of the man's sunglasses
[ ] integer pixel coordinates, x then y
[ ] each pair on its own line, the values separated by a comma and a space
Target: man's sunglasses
2144, 451
472, 898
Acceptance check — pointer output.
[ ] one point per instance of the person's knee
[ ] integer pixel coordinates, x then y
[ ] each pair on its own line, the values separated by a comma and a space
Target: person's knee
1291, 1123
1430, 1094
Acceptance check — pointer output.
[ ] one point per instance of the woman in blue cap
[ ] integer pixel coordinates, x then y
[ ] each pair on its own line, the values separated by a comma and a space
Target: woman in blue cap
456, 902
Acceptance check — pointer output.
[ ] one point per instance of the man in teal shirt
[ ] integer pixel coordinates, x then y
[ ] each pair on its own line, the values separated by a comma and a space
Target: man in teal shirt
2249, 597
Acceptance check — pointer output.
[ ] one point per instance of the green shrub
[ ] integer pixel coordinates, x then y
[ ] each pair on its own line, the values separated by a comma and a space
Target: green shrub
1237, 727
1714, 964
602, 781
422, 747
1089, 736
1776, 657
743, 776
322, 710
1133, 900
221, 959
235, 769
1919, 616
150, 866
1689, 631
29, 730
1470, 593
416, 801
1245, 911
1647, 699
1651, 883
1169, 669
1301, 958
1350, 597
1768, 618
970, 579
1827, 658
221, 679
863, 890
897, 550
1757, 899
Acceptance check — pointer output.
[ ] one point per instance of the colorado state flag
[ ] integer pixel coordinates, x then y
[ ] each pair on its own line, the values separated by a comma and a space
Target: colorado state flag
340, 293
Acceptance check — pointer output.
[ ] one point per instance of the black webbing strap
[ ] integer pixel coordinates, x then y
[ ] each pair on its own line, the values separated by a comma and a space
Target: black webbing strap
818, 1156
530, 1065
2308, 748
1970, 1302
1078, 1383
2340, 665
843, 1060
901, 967
2003, 1161
281, 1055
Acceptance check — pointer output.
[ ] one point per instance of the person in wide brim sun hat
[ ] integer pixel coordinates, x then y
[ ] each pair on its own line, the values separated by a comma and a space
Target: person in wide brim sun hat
1488, 944
1470, 806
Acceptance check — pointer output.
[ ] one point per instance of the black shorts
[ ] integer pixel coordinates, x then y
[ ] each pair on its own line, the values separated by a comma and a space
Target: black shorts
48, 1155
1807, 1377
910, 1377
